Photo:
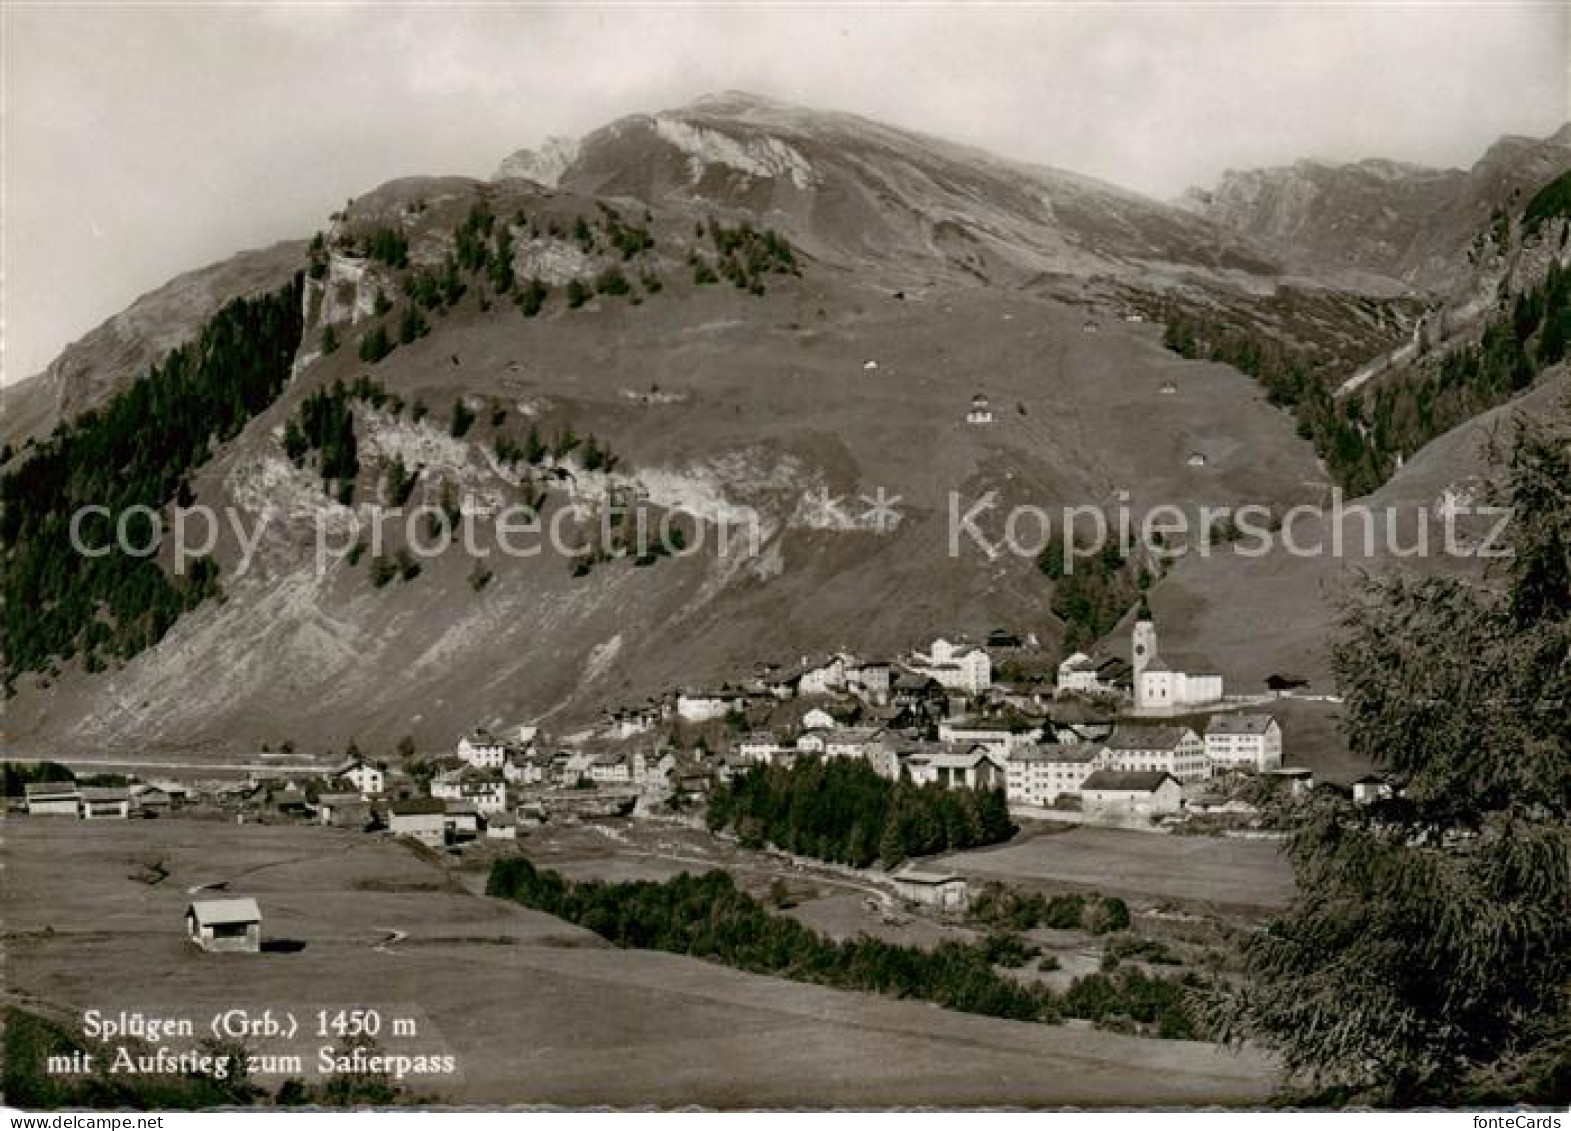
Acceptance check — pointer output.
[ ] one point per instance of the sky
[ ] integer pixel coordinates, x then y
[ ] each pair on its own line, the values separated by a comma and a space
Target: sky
140, 141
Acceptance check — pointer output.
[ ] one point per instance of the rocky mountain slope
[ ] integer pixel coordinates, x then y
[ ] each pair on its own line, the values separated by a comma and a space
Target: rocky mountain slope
100, 363
759, 318
1380, 223
852, 191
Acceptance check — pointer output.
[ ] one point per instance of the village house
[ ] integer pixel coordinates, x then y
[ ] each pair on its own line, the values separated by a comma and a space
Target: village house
421, 818
52, 799
1175, 750
812, 741
980, 412
221, 925
1072, 734
150, 800
1131, 793
942, 890
105, 804
631, 722
823, 679
1160, 688
482, 750
870, 681
573, 766
1371, 788
955, 666
343, 810
819, 719
177, 792
914, 690
1080, 674
655, 773
956, 767
762, 746
612, 769
463, 820
526, 768
867, 743
370, 780
1244, 741
1040, 774
1028, 698
998, 735
289, 800
501, 826
485, 790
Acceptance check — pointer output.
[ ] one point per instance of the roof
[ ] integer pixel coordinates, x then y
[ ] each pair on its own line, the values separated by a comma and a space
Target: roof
47, 788
1146, 738
1240, 724
341, 799
1132, 781
1079, 754
913, 876
105, 793
853, 734
414, 806
952, 758
209, 912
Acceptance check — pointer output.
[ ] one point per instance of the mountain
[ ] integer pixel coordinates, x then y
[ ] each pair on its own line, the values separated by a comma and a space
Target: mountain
851, 191
100, 363
760, 318
544, 165
1380, 222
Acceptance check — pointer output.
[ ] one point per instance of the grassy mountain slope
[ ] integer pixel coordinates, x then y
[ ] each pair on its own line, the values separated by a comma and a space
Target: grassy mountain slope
721, 375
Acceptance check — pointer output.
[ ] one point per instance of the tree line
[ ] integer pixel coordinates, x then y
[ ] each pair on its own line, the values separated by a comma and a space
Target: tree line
843, 811
709, 917
141, 449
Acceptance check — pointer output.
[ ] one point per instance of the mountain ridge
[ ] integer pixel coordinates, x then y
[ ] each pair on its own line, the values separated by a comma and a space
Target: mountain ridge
723, 373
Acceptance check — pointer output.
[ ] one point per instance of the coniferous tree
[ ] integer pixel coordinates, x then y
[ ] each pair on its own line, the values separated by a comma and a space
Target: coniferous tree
1427, 953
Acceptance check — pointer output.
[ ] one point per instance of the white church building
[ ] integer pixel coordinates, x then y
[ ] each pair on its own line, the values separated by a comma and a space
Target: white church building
1161, 689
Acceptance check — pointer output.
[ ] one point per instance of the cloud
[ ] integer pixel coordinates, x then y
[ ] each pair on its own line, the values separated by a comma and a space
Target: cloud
185, 133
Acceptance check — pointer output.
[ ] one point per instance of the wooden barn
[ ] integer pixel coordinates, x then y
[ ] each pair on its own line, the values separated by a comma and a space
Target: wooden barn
225, 924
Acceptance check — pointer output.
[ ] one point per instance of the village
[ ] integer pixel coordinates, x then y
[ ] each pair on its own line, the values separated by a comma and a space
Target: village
1098, 740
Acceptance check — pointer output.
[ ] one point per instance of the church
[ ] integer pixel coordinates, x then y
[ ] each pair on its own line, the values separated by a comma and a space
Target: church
1160, 689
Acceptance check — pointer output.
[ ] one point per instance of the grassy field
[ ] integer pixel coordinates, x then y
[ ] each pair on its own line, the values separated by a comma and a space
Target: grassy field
1220, 871
535, 1010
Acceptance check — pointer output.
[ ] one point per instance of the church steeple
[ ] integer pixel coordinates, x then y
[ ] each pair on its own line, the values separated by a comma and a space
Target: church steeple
1142, 649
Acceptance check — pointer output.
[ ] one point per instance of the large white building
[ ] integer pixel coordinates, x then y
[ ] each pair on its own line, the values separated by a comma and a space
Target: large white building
1158, 686
955, 666
1039, 774
1172, 750
1248, 742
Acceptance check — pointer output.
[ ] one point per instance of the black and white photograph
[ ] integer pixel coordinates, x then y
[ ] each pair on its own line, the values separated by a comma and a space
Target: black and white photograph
661, 558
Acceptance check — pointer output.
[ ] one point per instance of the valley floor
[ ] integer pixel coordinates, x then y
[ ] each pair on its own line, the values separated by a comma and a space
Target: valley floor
536, 1011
